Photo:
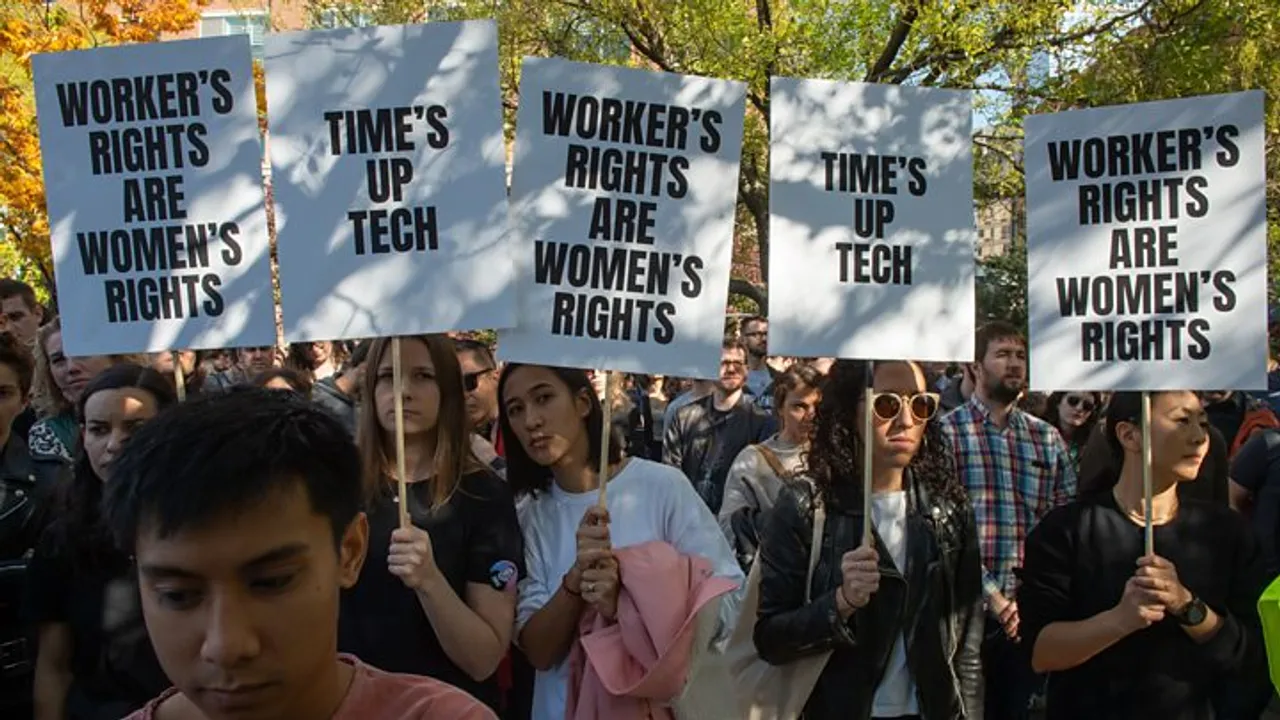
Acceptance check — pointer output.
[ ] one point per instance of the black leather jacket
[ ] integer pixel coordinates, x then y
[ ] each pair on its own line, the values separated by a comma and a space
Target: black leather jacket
703, 442
937, 606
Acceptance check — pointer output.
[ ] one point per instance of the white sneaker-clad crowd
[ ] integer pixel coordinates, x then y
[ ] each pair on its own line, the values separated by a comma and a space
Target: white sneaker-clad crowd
241, 553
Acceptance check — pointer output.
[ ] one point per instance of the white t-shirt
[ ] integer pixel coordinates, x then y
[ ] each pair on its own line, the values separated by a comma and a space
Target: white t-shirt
647, 501
896, 694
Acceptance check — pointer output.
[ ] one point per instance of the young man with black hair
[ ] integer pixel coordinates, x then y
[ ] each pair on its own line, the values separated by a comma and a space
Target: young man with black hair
242, 512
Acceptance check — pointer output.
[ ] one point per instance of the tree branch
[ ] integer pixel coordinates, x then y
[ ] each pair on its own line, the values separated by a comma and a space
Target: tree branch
758, 295
893, 46
1007, 156
1006, 39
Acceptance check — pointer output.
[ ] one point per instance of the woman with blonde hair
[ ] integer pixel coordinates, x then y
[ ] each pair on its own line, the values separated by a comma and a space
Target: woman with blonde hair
437, 598
59, 381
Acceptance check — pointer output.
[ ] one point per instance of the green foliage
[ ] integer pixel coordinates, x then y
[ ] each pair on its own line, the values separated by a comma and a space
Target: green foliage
1189, 48
962, 43
1001, 291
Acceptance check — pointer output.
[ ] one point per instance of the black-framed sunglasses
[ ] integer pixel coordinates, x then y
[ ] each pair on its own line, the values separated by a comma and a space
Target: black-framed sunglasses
471, 381
1084, 404
888, 405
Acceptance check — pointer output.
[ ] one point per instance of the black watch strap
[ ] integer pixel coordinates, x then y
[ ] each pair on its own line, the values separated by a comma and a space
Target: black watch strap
1191, 614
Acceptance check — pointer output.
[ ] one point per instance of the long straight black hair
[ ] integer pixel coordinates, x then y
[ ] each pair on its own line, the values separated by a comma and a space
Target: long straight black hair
523, 474
1125, 406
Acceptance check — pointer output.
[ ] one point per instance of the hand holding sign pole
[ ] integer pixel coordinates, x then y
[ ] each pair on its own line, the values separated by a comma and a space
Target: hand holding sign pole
1146, 250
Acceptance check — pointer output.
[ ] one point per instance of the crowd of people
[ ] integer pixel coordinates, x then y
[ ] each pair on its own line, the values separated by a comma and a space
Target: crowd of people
247, 551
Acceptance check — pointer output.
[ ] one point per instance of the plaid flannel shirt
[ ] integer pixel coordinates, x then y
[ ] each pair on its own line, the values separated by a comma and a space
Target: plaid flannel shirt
1014, 475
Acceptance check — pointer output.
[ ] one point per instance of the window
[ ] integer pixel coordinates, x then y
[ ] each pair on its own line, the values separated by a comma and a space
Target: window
248, 22
330, 18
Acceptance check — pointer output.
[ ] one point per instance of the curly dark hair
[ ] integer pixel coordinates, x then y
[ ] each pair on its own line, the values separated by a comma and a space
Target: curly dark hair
835, 455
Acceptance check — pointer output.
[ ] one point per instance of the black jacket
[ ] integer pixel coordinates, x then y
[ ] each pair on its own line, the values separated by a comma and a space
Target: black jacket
704, 442
26, 489
937, 606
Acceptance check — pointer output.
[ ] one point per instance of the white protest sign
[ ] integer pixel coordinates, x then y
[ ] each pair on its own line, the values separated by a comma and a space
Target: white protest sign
622, 201
1147, 246
153, 181
389, 169
870, 221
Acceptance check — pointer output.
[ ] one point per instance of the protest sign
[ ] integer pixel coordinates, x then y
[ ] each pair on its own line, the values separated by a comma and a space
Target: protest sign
153, 180
871, 221
1147, 246
389, 171
623, 199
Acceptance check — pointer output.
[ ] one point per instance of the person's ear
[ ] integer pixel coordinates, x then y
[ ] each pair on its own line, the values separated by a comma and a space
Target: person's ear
1130, 436
582, 402
352, 550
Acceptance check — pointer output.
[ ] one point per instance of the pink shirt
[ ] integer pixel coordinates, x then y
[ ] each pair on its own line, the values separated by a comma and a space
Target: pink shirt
378, 695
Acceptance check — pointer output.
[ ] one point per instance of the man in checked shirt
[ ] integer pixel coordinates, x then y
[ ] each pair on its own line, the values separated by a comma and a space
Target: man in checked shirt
1016, 469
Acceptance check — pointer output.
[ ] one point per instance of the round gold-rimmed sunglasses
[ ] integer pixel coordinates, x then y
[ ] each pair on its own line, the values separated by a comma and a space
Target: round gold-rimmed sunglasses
888, 405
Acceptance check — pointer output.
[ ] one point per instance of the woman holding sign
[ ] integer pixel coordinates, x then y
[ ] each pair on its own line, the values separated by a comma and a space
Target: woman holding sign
1129, 635
93, 658
551, 422
437, 597
903, 619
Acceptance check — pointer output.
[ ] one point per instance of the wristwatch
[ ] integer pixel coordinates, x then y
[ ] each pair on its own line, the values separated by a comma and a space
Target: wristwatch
1191, 614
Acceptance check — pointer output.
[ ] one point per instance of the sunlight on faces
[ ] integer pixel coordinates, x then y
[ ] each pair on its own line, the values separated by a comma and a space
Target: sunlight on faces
110, 418
11, 398
320, 352
420, 392
243, 609
1003, 371
895, 441
545, 416
797, 414
1179, 436
733, 369
72, 374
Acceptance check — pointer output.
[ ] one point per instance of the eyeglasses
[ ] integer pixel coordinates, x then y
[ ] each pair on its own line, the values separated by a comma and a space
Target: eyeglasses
888, 405
1077, 401
471, 381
